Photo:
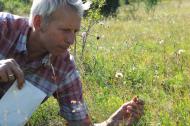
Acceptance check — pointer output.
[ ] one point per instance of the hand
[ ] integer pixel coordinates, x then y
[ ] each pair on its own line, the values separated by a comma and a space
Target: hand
128, 114
10, 70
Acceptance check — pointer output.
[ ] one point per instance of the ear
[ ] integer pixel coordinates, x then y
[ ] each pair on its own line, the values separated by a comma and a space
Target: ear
37, 22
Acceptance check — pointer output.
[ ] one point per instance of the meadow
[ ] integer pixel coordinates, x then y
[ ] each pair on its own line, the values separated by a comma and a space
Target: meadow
145, 54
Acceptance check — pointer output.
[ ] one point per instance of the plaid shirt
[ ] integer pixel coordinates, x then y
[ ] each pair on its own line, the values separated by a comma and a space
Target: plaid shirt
55, 76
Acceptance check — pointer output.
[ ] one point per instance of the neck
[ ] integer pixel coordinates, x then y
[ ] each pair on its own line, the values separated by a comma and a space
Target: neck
34, 47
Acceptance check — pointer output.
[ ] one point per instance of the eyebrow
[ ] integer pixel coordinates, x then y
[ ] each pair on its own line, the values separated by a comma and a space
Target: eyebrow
77, 30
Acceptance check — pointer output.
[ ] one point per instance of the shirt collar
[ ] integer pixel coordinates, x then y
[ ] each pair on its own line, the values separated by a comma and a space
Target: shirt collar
22, 40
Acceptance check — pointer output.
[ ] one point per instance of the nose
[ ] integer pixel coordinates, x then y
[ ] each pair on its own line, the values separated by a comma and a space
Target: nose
71, 38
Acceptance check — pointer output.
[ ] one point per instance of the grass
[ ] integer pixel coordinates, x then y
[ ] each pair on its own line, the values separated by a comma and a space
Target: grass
151, 50
15, 6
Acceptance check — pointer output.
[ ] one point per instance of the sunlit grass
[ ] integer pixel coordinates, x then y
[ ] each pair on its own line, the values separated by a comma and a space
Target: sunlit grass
146, 51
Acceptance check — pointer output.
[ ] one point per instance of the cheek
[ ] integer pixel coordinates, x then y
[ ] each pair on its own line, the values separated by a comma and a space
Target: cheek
56, 36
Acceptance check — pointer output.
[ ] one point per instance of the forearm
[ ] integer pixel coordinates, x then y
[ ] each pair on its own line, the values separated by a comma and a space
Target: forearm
84, 122
87, 122
105, 123
100, 124
113, 120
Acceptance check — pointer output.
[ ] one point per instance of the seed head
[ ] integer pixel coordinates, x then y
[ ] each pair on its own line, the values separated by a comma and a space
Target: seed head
119, 75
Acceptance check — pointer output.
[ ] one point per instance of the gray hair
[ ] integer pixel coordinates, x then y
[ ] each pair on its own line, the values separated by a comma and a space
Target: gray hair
45, 8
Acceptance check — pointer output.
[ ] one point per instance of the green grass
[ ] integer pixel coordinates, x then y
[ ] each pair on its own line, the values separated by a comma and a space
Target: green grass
16, 6
145, 48
155, 71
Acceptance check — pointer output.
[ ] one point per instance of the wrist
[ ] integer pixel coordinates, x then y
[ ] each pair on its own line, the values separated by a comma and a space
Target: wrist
100, 124
105, 123
112, 122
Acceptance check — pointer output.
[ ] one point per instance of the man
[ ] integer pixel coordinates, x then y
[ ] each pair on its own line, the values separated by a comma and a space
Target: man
36, 50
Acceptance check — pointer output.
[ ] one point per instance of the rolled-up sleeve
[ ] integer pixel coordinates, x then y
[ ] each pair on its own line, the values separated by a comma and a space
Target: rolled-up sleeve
69, 96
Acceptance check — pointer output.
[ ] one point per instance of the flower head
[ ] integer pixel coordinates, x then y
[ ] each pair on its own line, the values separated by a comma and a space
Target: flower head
180, 51
161, 42
83, 34
119, 75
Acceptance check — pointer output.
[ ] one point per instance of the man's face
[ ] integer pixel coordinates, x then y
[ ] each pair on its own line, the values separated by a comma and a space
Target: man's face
60, 32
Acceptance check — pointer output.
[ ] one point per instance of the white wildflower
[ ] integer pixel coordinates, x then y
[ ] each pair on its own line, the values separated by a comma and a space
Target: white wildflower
101, 48
180, 51
101, 23
119, 75
161, 42
133, 68
84, 35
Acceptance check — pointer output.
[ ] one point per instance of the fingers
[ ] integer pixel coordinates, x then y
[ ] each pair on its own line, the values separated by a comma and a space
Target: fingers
10, 70
130, 112
131, 103
19, 76
10, 75
135, 99
136, 113
18, 73
138, 101
3, 76
135, 108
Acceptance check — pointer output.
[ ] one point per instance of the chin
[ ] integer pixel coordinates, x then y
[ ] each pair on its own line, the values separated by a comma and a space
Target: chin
59, 53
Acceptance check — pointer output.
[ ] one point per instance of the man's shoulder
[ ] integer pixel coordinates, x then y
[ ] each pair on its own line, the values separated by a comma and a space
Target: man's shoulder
7, 15
11, 29
13, 19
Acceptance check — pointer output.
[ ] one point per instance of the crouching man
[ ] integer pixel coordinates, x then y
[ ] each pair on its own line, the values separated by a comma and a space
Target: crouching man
37, 50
